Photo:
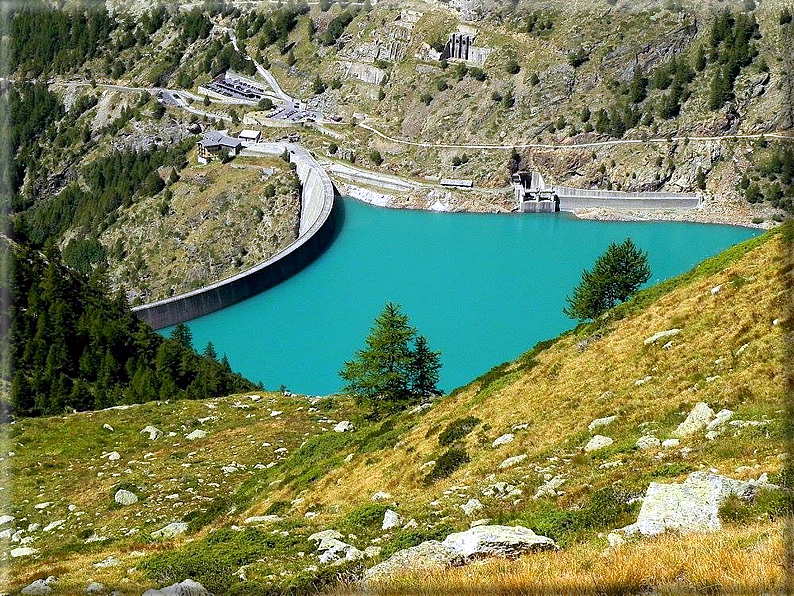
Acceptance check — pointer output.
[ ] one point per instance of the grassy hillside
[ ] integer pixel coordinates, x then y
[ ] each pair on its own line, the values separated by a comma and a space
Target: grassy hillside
729, 354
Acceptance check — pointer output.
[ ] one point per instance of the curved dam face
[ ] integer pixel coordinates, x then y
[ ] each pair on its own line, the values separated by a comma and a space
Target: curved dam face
316, 231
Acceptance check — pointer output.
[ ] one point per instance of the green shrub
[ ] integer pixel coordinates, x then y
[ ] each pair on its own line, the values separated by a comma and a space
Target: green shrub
604, 509
671, 469
278, 507
366, 517
457, 430
446, 464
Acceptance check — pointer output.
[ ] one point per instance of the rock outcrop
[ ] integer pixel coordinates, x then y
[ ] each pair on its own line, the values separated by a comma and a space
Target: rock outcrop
498, 541
690, 506
427, 557
698, 419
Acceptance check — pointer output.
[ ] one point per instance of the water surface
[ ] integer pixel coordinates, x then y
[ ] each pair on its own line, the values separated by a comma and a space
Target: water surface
482, 288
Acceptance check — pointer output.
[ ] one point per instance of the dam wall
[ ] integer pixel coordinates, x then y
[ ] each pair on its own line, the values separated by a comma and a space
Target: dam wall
578, 198
316, 232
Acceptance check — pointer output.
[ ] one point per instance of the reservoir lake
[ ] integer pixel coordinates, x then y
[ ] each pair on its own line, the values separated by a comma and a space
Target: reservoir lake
483, 288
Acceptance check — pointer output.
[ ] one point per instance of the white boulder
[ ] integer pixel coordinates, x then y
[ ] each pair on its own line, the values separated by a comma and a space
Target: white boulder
549, 488
690, 506
512, 461
125, 497
599, 422
503, 440
471, 507
390, 520
6, 519
40, 587
648, 442
662, 335
698, 419
671, 443
502, 541
719, 419
262, 519
23, 551
196, 434
428, 557
344, 427
170, 531
154, 434
598, 442
95, 588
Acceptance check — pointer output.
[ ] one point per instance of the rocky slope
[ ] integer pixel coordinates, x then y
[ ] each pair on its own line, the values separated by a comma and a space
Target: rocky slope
665, 416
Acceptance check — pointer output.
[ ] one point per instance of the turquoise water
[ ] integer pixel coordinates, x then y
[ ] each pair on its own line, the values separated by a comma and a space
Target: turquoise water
482, 288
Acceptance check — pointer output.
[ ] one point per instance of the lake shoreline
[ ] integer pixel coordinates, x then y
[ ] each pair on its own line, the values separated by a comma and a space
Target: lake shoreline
711, 212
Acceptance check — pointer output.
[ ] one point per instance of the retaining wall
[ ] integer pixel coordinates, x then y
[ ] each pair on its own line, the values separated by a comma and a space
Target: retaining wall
316, 231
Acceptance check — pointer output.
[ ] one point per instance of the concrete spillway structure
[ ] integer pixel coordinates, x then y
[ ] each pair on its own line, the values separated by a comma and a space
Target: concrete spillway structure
316, 231
533, 195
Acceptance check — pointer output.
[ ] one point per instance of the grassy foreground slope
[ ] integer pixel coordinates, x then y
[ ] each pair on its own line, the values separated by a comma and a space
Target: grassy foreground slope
728, 354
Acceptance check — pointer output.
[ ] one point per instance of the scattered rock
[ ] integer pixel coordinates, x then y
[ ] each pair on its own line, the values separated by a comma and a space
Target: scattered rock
502, 541
598, 442
338, 552
599, 422
262, 519
23, 551
372, 551
716, 290
662, 335
196, 434
50, 527
344, 427
6, 519
647, 442
95, 588
549, 489
42, 505
670, 443
125, 497
325, 534
381, 496
187, 587
40, 587
512, 461
113, 456
428, 557
410, 525
390, 520
719, 419
471, 507
154, 434
107, 427
503, 440
697, 419
170, 531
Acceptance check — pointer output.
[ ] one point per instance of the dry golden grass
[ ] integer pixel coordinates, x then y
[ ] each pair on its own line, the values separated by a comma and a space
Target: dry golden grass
743, 560
571, 386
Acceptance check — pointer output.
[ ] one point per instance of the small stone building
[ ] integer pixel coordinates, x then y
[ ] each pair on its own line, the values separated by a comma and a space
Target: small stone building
214, 142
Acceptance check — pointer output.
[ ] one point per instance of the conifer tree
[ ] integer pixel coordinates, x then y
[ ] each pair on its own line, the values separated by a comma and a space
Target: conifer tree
424, 368
616, 275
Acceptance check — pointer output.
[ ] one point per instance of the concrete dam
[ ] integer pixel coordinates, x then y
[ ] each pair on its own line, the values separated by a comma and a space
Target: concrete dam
533, 195
315, 233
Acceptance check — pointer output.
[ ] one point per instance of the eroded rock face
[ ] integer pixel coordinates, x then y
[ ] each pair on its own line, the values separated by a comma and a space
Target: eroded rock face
426, 557
187, 587
689, 506
499, 541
